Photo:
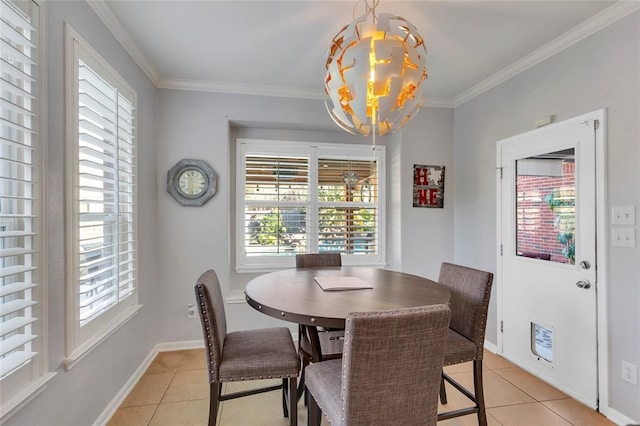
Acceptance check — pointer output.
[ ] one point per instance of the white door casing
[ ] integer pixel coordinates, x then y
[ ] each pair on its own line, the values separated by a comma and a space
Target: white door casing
546, 293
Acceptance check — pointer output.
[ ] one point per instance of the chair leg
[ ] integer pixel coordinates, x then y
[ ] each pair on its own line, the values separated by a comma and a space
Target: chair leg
479, 392
314, 415
214, 401
301, 387
293, 401
285, 408
443, 391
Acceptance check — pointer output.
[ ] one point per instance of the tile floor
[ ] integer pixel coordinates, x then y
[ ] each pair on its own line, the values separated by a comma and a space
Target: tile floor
174, 392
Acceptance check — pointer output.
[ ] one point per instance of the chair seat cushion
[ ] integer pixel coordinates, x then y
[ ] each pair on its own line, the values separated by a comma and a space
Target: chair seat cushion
459, 349
324, 381
259, 354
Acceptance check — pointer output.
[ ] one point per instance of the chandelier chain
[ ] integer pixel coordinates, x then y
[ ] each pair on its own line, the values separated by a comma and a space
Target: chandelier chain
368, 9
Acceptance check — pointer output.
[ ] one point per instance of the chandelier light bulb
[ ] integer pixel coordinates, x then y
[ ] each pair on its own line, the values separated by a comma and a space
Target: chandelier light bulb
376, 67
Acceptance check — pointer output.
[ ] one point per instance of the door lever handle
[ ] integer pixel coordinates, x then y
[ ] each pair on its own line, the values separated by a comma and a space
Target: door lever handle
583, 284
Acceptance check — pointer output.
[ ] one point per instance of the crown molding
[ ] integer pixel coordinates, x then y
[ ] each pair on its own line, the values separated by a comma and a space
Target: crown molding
612, 14
240, 88
438, 103
264, 90
591, 26
128, 44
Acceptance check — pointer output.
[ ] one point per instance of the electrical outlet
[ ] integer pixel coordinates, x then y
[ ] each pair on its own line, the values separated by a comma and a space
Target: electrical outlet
630, 373
191, 311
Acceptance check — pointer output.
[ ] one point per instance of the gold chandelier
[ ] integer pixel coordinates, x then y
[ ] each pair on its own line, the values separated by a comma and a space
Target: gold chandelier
375, 70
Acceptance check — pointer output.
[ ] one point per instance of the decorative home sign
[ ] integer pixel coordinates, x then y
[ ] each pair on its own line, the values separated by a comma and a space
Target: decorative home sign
428, 186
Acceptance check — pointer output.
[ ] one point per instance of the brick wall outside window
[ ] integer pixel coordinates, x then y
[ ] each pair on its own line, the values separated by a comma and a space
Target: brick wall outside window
536, 233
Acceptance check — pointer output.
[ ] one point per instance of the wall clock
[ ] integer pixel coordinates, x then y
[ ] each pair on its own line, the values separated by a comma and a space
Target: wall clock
191, 182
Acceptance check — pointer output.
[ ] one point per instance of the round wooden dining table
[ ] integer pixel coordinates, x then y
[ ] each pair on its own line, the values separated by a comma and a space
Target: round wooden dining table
294, 295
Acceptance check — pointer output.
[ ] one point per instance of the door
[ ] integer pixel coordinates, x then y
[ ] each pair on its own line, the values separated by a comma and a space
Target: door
547, 265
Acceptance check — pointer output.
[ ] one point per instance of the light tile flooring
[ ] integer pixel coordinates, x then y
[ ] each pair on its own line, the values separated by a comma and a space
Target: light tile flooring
174, 392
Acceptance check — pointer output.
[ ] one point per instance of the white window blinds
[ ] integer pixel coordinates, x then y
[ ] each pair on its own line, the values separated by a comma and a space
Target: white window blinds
106, 243
20, 196
102, 185
308, 198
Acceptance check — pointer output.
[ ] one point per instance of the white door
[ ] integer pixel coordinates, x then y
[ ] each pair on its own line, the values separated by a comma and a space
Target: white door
547, 265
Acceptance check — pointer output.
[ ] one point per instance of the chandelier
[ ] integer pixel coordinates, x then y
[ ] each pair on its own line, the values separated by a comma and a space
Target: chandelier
375, 70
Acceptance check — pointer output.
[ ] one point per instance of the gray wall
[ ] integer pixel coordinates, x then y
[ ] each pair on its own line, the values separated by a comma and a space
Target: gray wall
77, 397
205, 126
177, 243
602, 71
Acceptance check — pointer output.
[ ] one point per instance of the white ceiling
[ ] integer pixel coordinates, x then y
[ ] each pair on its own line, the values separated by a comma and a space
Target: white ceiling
278, 47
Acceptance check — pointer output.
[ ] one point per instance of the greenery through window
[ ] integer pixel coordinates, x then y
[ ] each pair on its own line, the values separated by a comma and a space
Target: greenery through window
299, 198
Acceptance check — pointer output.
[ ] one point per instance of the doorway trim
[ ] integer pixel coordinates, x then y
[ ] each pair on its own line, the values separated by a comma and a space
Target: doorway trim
602, 239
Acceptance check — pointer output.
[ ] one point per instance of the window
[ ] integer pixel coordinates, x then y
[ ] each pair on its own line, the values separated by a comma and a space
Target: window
23, 362
101, 185
296, 197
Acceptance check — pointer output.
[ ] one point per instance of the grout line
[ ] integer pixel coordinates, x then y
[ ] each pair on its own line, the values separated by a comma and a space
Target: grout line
173, 376
488, 409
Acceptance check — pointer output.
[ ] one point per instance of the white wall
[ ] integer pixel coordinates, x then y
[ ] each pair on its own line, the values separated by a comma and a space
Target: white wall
77, 397
603, 71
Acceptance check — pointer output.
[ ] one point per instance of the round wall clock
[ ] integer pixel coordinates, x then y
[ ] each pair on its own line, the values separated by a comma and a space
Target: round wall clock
191, 182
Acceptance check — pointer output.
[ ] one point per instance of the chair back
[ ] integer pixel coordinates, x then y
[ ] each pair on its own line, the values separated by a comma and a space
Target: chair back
212, 317
470, 291
392, 365
317, 260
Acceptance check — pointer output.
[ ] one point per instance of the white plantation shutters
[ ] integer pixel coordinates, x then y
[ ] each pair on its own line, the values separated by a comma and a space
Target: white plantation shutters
21, 172
105, 195
102, 183
348, 206
308, 198
277, 199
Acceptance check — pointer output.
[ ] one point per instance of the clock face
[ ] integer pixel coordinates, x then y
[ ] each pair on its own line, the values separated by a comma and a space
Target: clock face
192, 182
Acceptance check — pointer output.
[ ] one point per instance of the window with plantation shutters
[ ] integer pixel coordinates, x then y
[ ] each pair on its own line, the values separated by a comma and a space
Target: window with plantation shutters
296, 197
102, 187
22, 308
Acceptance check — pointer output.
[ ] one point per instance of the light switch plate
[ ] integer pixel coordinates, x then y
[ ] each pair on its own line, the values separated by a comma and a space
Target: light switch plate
624, 215
623, 237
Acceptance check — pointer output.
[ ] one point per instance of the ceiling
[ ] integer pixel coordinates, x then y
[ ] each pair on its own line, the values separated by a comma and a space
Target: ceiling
278, 48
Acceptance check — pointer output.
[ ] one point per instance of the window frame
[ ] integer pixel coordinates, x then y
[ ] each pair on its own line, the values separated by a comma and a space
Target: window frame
29, 379
82, 339
314, 150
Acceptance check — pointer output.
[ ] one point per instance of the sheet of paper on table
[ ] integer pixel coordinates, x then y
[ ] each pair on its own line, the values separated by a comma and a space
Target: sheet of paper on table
329, 283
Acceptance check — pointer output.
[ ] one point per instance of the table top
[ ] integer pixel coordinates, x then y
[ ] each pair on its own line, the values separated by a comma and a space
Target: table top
293, 295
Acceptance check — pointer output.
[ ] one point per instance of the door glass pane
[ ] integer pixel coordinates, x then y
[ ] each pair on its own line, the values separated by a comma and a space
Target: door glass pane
545, 207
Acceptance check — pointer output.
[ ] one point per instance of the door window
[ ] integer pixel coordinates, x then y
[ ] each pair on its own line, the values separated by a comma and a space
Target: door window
546, 207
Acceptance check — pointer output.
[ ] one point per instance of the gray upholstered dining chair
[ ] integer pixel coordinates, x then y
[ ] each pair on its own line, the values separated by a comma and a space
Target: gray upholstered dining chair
328, 340
318, 260
390, 371
244, 355
470, 291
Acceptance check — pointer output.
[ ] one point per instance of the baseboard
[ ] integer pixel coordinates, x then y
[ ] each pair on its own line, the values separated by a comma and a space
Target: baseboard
619, 418
490, 347
117, 400
115, 403
180, 346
